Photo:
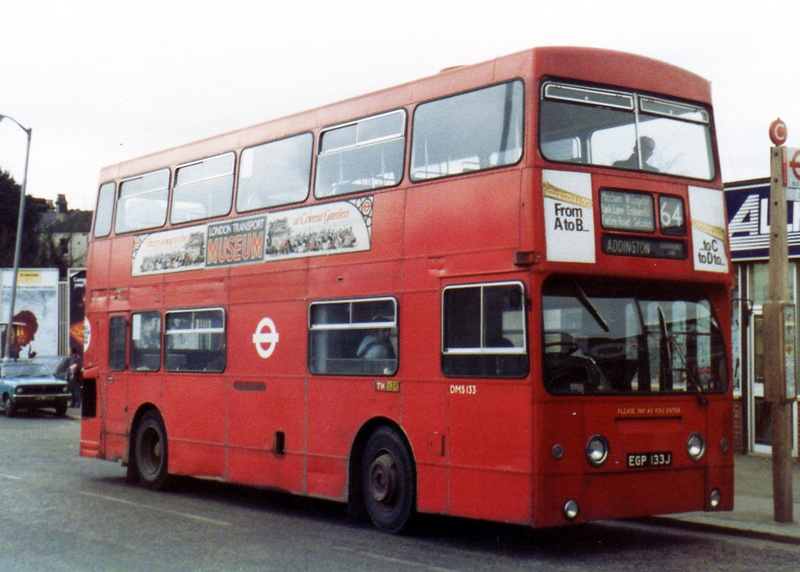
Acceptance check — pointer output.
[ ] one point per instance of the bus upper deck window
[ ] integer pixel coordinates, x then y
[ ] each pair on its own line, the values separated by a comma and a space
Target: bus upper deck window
203, 189
363, 155
105, 210
142, 202
473, 131
275, 173
624, 130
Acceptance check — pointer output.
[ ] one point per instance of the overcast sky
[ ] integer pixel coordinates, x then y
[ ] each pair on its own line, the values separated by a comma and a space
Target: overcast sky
101, 81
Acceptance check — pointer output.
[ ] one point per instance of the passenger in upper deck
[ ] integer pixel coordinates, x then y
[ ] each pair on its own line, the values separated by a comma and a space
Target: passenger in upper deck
646, 145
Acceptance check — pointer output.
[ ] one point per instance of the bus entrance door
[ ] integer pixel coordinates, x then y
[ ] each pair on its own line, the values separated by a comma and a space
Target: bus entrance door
115, 388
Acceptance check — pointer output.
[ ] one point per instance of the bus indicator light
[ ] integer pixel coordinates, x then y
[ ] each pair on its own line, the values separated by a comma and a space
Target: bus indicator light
526, 258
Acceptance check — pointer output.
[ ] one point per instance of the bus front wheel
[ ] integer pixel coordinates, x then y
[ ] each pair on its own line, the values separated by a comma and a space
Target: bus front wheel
150, 451
388, 481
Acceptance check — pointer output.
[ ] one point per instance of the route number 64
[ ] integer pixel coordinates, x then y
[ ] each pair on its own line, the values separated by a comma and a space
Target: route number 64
671, 213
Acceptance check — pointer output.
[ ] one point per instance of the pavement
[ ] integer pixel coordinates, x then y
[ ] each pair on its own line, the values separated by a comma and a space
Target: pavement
753, 512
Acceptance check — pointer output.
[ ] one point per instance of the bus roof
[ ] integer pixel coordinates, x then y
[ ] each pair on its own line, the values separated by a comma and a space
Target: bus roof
576, 63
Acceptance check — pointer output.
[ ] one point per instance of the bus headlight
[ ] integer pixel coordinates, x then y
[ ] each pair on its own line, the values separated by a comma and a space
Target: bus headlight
696, 446
597, 450
715, 498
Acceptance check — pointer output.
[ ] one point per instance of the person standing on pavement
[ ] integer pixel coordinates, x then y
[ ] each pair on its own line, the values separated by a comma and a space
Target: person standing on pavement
75, 376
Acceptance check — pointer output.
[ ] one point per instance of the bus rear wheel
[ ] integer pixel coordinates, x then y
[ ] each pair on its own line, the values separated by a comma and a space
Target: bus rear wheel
388, 481
150, 451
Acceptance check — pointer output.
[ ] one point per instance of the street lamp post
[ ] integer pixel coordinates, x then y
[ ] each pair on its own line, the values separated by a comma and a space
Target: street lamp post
20, 218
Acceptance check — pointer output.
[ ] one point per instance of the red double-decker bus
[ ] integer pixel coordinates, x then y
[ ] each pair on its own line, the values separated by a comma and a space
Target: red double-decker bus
501, 292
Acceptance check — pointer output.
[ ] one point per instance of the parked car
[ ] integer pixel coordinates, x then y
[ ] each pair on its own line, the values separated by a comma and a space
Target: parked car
31, 385
58, 365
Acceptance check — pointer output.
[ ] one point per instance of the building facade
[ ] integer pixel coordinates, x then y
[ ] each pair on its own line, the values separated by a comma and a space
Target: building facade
64, 235
748, 228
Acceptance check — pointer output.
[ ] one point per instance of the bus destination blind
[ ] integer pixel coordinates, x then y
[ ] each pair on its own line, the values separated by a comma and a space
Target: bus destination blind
620, 210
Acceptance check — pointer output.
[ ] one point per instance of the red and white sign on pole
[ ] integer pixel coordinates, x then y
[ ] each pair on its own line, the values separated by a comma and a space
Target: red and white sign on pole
790, 160
778, 132
791, 168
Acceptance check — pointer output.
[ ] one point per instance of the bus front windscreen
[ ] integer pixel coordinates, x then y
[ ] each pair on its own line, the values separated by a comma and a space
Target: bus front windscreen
632, 338
624, 130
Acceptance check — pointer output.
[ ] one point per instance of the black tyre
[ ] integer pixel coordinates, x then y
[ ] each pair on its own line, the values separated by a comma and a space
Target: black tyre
10, 408
150, 451
61, 410
388, 481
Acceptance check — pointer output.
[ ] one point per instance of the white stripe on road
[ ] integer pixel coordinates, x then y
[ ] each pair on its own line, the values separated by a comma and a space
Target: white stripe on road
393, 560
153, 508
142, 506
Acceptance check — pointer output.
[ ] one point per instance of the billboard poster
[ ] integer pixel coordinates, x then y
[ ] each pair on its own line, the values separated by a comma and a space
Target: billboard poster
748, 221
35, 311
77, 289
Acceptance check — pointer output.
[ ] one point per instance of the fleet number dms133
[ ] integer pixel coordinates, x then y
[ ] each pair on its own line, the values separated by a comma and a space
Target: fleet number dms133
463, 389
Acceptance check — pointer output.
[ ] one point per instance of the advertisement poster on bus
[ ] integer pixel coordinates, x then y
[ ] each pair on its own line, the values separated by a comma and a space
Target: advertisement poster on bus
319, 230
708, 229
569, 216
169, 251
35, 311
